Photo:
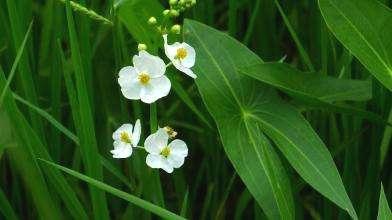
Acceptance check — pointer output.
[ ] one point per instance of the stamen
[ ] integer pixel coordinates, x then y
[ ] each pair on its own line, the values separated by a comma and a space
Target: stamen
124, 137
144, 78
181, 53
165, 151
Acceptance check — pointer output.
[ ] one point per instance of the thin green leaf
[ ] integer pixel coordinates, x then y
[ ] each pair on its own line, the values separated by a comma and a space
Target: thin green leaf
85, 121
304, 55
6, 208
15, 64
48, 117
365, 28
184, 206
121, 194
384, 212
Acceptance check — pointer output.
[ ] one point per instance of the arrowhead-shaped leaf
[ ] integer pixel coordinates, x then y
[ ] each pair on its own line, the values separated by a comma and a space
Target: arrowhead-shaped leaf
243, 109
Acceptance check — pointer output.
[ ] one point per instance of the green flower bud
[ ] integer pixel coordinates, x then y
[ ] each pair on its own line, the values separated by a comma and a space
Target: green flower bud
173, 2
176, 29
182, 2
141, 47
193, 2
152, 20
174, 13
166, 12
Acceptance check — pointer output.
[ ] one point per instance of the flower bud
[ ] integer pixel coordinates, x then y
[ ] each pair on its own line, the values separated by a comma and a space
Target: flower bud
152, 20
174, 13
176, 29
182, 2
193, 2
141, 47
166, 12
173, 2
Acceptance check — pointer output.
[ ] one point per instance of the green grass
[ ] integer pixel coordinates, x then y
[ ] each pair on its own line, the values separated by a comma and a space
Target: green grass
307, 139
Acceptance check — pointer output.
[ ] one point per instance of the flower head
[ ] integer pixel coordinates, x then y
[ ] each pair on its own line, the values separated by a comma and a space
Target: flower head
182, 55
145, 80
163, 155
126, 137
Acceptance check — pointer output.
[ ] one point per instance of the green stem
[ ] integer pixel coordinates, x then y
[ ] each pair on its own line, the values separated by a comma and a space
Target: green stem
153, 118
386, 140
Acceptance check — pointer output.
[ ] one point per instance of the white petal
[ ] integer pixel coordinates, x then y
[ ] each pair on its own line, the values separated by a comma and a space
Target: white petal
170, 50
189, 60
154, 161
183, 69
121, 150
158, 161
127, 76
178, 148
132, 90
156, 142
136, 133
158, 88
123, 128
175, 160
153, 65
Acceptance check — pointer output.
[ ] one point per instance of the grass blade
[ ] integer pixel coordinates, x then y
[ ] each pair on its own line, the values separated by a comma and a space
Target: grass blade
85, 121
15, 64
384, 212
6, 208
121, 194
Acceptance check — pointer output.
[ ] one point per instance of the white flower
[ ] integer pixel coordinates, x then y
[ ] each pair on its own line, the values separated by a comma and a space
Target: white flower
163, 155
124, 139
145, 80
182, 55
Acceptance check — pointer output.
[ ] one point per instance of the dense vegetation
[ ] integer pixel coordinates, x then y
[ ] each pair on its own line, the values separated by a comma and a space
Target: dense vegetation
290, 116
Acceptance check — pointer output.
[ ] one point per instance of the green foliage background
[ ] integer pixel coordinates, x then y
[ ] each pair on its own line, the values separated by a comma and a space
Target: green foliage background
289, 118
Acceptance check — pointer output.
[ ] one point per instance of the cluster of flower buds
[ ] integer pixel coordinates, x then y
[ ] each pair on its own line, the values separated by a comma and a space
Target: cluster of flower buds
176, 7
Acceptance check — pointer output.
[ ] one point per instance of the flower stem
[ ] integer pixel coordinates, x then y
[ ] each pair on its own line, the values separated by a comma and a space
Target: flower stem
153, 118
169, 64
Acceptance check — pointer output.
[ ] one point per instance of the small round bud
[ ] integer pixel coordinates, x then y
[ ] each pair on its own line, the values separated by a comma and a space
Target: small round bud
173, 2
193, 2
166, 12
174, 13
152, 20
141, 47
176, 29
182, 2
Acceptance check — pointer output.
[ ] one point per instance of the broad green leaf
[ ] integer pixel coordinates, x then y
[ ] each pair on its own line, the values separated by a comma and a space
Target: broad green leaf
121, 194
365, 28
384, 212
315, 90
309, 85
250, 152
243, 109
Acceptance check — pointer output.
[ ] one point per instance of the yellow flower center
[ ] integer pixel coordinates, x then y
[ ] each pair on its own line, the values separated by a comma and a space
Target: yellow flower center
165, 151
144, 78
124, 137
181, 53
